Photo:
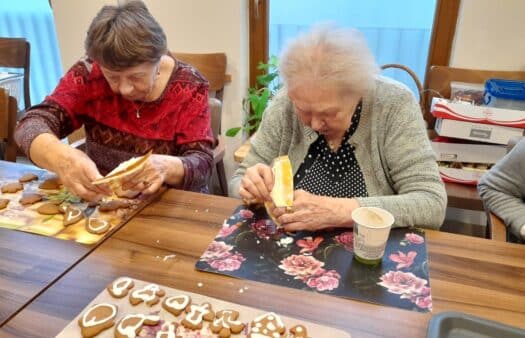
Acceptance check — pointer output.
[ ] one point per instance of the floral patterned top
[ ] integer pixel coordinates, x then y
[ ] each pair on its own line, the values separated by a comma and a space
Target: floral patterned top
177, 123
335, 174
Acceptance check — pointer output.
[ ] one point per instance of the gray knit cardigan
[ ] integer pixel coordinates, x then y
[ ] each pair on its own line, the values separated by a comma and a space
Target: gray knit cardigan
391, 147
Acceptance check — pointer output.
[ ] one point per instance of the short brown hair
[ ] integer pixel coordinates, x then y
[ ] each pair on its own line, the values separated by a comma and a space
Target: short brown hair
124, 36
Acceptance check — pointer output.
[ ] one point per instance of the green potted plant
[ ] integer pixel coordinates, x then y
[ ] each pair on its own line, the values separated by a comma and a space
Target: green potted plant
258, 97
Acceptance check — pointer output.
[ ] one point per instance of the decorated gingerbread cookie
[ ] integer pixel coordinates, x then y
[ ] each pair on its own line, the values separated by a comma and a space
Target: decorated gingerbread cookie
3, 203
48, 208
97, 226
30, 198
27, 178
120, 287
113, 205
226, 323
196, 314
267, 325
176, 304
51, 184
150, 294
97, 318
298, 331
168, 330
130, 325
72, 215
11, 188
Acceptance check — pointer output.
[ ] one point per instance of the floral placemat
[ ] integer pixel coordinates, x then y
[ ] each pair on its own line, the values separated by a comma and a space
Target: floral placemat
250, 246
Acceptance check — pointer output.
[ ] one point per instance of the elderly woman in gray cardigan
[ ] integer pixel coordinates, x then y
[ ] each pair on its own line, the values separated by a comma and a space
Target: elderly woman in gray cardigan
354, 139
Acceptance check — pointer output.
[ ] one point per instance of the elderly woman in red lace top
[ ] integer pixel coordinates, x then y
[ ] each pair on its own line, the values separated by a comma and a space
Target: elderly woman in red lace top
131, 96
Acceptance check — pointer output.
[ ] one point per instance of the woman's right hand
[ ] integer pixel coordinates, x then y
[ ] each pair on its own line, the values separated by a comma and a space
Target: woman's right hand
77, 172
256, 184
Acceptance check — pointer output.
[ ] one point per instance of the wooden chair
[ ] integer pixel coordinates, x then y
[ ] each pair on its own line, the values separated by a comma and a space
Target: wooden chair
14, 53
213, 67
496, 229
8, 111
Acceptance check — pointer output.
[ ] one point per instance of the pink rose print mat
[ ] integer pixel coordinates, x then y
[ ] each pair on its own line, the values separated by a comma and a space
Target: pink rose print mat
250, 246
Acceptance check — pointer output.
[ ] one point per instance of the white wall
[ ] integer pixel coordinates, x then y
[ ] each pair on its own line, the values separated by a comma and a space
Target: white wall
191, 26
490, 35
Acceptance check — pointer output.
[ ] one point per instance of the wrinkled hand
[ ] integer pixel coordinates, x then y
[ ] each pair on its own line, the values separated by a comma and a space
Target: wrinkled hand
312, 212
149, 178
256, 184
76, 171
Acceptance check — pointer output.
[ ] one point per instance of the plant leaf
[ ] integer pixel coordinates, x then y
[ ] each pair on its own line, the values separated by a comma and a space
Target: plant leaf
233, 131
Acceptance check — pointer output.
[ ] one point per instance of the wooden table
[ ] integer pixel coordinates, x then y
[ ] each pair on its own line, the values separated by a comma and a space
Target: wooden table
478, 276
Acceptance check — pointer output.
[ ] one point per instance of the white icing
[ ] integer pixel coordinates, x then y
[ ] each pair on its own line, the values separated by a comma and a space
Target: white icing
100, 227
130, 330
147, 294
197, 312
286, 240
73, 213
173, 303
168, 333
225, 320
298, 329
271, 327
120, 286
93, 321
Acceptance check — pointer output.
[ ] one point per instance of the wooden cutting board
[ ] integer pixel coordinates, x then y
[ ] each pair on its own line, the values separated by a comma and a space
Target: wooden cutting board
247, 314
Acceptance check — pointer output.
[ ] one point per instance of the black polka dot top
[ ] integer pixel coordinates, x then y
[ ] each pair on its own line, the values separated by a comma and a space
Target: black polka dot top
332, 173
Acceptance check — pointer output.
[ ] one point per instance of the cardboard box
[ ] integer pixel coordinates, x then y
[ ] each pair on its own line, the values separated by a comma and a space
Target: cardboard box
461, 111
455, 151
488, 133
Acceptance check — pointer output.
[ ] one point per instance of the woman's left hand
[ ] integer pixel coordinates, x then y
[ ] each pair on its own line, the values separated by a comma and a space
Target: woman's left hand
312, 212
150, 178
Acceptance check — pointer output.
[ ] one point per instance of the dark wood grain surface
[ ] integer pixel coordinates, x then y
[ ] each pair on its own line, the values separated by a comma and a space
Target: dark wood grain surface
162, 243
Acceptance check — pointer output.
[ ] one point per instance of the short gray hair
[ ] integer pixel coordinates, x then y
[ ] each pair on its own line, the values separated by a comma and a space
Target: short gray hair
329, 55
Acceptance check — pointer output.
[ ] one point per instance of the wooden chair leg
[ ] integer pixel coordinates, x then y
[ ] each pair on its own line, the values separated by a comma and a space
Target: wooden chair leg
221, 175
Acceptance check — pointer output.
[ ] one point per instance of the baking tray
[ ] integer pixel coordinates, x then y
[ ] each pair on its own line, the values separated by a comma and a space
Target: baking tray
461, 325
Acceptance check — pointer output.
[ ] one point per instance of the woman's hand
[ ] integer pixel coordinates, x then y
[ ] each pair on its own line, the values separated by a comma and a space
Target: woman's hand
151, 177
77, 172
311, 212
256, 184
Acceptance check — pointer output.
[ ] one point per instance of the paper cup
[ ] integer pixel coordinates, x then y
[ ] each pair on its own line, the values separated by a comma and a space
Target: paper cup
371, 229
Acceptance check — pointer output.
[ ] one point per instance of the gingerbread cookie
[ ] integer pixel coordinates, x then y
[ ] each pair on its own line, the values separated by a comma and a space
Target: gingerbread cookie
226, 323
97, 226
30, 198
168, 330
51, 184
267, 325
3, 203
196, 314
11, 188
176, 304
130, 325
49, 208
113, 205
120, 287
72, 215
27, 178
97, 318
298, 331
150, 294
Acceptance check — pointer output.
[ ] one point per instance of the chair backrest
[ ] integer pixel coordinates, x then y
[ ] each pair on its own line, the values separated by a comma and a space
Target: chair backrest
439, 78
15, 53
8, 110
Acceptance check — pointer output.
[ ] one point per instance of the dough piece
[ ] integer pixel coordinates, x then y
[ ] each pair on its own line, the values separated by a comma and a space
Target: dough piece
3, 203
130, 325
97, 318
196, 314
150, 294
30, 198
298, 331
267, 325
97, 226
168, 331
120, 287
72, 215
51, 184
49, 208
11, 188
176, 304
27, 178
113, 205
226, 323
